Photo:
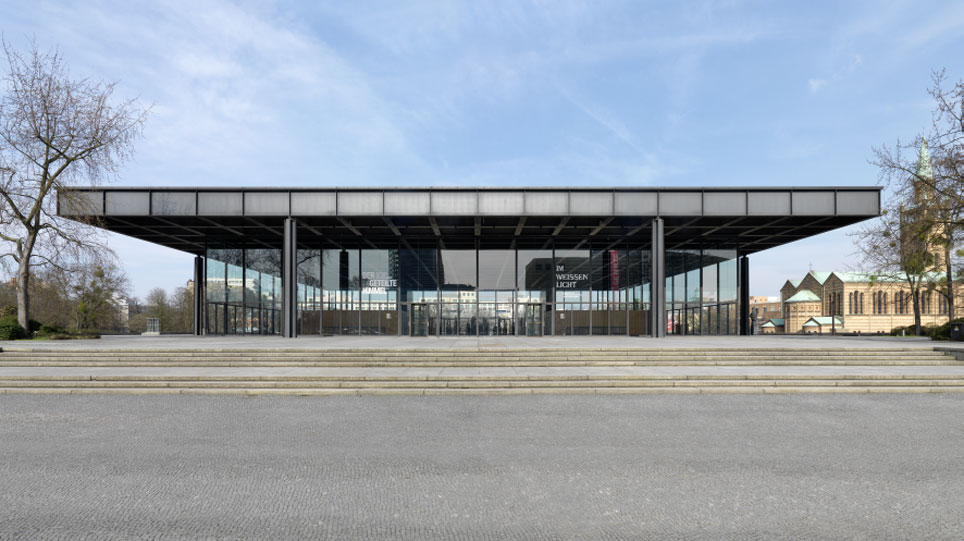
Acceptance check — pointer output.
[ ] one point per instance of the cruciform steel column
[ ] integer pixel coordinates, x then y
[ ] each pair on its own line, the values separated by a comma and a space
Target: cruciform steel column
658, 280
744, 309
199, 283
289, 280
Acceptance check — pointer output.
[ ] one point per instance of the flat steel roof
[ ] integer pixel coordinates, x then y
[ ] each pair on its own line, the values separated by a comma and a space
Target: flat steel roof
747, 218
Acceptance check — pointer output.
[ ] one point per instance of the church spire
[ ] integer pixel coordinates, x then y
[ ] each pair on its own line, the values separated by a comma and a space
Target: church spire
924, 169
923, 176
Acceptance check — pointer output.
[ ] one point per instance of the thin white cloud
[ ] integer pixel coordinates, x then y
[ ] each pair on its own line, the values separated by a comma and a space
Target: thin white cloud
816, 85
854, 62
603, 117
241, 94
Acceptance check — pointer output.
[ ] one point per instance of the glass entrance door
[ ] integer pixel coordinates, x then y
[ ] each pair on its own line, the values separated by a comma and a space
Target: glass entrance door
449, 322
423, 319
457, 319
496, 319
529, 317
496, 313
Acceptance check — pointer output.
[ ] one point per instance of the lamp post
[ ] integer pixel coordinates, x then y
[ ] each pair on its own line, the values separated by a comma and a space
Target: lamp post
833, 314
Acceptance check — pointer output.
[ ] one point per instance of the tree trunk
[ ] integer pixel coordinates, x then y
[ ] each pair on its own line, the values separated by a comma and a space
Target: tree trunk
23, 281
916, 295
948, 268
23, 295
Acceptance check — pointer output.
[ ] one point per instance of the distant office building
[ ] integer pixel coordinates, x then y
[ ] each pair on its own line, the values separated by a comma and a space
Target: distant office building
766, 307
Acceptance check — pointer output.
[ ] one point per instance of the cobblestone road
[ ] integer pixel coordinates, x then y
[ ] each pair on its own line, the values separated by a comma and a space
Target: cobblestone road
545, 467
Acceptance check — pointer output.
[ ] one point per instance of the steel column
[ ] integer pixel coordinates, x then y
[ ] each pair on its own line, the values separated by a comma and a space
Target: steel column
658, 280
744, 310
199, 283
289, 280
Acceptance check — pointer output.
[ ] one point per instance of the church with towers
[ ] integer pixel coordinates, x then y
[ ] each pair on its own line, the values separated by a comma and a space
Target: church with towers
856, 302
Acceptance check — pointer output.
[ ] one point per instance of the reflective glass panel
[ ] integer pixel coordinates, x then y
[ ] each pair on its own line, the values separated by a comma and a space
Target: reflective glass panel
379, 292
309, 291
497, 269
458, 313
534, 273
572, 282
340, 279
417, 272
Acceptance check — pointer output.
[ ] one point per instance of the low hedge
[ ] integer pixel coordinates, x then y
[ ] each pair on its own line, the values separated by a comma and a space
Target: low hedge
943, 332
934, 332
69, 336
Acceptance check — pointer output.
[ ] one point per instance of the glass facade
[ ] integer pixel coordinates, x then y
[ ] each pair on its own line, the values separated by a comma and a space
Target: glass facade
701, 292
243, 288
424, 289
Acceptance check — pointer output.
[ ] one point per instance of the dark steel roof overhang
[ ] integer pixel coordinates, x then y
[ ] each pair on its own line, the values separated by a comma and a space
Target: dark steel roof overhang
749, 219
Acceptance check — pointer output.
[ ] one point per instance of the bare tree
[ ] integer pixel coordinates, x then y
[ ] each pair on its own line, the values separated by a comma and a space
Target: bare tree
934, 190
948, 133
896, 250
55, 132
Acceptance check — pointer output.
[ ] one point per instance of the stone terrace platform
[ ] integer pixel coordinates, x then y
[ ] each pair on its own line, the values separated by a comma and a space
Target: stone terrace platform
490, 365
386, 342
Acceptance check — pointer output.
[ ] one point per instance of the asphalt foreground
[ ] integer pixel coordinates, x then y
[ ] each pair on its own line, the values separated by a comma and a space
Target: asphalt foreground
483, 467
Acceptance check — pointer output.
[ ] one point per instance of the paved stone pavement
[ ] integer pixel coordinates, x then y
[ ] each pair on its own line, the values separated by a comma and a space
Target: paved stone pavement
546, 467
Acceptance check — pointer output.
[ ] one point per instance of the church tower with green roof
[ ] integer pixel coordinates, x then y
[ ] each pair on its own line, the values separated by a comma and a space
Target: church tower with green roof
917, 224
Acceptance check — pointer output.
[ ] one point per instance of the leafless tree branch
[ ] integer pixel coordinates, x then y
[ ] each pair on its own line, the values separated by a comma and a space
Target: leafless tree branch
55, 132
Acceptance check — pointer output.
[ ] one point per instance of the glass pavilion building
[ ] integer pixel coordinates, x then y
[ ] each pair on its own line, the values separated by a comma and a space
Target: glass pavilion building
471, 261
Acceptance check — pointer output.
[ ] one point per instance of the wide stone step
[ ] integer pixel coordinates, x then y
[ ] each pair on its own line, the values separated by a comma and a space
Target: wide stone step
465, 364
459, 353
455, 356
496, 352
480, 353
500, 390
477, 381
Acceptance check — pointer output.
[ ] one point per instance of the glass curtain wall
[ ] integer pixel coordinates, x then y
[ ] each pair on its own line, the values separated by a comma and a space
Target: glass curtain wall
379, 292
534, 281
620, 293
347, 291
243, 291
422, 290
572, 299
497, 296
638, 271
719, 277
701, 292
309, 291
418, 276
340, 291
458, 309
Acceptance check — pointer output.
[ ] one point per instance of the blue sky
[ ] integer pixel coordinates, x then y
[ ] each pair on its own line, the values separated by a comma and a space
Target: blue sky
509, 93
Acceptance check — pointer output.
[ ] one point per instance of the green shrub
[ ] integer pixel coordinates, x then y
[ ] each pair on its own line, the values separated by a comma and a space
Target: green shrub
10, 328
47, 330
77, 336
943, 332
8, 310
909, 330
